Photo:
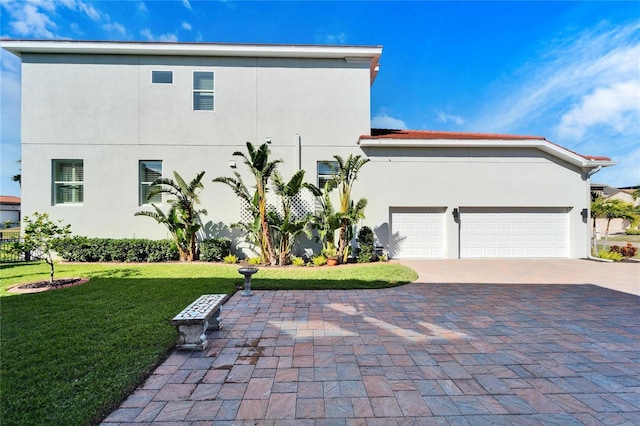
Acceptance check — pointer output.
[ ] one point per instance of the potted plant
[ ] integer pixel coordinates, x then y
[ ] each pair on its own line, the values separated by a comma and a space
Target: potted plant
331, 253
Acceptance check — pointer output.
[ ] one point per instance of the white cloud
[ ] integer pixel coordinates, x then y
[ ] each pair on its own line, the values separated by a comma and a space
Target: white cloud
29, 21
114, 27
625, 173
186, 4
340, 38
186, 26
167, 37
443, 117
616, 106
384, 121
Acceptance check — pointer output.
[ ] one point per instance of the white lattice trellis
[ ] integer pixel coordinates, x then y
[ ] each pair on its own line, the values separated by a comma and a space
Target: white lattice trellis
301, 205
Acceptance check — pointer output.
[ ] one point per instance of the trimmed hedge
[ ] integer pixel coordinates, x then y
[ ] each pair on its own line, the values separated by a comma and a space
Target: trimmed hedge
83, 249
215, 249
632, 232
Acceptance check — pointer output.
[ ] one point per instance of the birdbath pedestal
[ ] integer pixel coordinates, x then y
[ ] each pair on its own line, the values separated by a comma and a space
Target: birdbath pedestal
247, 272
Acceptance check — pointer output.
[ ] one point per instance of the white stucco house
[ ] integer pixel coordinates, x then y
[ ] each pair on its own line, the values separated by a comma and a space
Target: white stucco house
100, 120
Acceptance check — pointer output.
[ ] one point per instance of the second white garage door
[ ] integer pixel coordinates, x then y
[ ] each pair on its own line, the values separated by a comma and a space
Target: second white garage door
514, 232
417, 232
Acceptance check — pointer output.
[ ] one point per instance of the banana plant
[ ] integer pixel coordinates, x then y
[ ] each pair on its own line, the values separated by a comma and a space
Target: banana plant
182, 219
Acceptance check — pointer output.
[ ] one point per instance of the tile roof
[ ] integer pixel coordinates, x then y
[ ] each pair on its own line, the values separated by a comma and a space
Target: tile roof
433, 134
9, 199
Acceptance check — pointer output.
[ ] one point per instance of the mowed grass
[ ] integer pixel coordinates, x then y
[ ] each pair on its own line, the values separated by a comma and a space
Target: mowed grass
70, 356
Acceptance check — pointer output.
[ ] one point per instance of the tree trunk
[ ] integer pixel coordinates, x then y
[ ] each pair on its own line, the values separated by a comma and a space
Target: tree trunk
606, 234
342, 243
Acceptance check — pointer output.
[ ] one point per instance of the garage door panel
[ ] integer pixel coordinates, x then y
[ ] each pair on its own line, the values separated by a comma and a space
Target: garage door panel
519, 232
419, 233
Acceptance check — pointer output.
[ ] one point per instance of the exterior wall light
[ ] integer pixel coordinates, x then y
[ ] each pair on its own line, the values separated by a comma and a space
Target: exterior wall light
232, 164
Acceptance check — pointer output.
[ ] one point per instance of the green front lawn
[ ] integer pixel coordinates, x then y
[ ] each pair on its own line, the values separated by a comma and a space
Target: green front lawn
70, 356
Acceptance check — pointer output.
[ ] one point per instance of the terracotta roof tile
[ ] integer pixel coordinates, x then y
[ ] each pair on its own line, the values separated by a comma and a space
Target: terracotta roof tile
433, 134
9, 199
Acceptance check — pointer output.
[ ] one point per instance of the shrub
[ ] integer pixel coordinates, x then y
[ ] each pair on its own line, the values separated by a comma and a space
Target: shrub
627, 252
83, 249
366, 239
366, 254
611, 255
215, 249
230, 258
297, 261
255, 260
319, 260
632, 232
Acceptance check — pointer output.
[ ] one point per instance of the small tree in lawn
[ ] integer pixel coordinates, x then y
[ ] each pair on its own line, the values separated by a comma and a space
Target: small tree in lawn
40, 234
183, 219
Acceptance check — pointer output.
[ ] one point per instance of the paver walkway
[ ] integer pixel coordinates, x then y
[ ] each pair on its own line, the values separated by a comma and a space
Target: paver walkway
418, 354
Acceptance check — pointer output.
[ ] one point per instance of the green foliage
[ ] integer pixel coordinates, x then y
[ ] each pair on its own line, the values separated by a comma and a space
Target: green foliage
610, 209
632, 232
366, 254
297, 261
40, 235
611, 255
257, 160
182, 219
345, 174
366, 237
319, 260
83, 249
325, 220
256, 260
330, 252
214, 249
230, 258
366, 240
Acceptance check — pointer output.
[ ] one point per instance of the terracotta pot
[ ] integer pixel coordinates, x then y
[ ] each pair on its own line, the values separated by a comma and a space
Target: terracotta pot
332, 262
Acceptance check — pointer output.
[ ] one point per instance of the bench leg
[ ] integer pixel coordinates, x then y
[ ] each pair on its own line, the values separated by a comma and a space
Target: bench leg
214, 321
192, 337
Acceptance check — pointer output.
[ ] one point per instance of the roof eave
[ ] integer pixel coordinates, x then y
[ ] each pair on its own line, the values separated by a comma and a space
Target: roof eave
541, 144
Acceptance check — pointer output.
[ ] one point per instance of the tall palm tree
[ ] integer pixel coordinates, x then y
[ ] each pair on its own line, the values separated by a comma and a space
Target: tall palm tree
345, 175
183, 219
258, 162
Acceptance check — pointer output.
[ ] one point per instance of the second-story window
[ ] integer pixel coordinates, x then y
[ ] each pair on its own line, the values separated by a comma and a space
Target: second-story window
162, 77
203, 91
149, 171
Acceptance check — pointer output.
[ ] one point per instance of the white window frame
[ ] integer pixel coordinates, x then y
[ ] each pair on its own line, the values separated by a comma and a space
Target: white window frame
76, 185
325, 175
143, 183
161, 83
203, 91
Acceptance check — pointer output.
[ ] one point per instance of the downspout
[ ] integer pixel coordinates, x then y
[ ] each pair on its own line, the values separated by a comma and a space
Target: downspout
589, 255
299, 151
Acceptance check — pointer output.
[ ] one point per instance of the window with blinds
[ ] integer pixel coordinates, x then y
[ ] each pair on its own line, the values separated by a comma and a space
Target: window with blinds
326, 172
149, 171
202, 91
68, 181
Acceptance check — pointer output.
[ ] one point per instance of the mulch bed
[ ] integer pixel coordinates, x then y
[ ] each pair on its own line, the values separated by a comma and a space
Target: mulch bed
46, 285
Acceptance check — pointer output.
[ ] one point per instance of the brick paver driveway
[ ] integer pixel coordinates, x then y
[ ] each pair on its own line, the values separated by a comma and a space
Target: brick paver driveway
416, 354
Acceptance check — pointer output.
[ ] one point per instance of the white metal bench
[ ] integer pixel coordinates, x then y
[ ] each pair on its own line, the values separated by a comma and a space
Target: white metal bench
199, 317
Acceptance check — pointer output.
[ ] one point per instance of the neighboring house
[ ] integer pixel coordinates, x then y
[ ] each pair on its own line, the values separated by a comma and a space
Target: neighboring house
616, 226
103, 119
9, 210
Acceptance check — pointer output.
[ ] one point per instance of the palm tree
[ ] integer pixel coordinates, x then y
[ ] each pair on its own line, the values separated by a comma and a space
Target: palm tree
345, 174
612, 209
258, 162
288, 226
183, 219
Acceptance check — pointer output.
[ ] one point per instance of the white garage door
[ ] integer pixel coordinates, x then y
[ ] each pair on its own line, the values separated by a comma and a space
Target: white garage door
417, 233
515, 232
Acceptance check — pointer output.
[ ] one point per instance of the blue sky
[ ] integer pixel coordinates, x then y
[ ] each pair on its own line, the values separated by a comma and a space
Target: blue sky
568, 71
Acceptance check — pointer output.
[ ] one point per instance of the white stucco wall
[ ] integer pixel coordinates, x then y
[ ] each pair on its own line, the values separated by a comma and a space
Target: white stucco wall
470, 177
105, 111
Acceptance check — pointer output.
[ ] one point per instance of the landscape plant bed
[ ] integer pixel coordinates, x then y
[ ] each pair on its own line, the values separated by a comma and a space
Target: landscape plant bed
45, 285
71, 357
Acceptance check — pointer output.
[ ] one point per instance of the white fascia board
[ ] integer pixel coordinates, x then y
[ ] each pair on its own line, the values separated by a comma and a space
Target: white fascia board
541, 144
18, 47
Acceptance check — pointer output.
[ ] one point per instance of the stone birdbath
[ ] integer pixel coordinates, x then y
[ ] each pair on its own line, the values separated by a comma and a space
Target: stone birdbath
247, 272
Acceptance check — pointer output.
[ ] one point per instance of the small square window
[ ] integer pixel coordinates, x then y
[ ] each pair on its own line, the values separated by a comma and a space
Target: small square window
68, 182
162, 77
149, 172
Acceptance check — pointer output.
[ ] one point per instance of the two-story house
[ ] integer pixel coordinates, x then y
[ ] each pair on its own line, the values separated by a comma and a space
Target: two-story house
101, 120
